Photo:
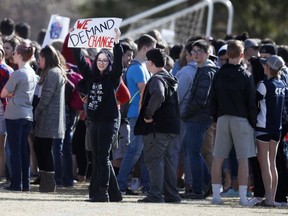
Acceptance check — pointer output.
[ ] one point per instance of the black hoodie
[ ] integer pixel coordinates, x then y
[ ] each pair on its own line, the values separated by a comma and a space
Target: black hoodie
233, 93
101, 102
160, 102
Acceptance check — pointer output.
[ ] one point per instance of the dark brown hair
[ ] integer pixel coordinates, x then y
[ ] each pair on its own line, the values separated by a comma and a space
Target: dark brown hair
51, 60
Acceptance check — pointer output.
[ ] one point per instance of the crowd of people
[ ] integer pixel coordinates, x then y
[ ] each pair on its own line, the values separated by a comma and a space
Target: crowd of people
208, 117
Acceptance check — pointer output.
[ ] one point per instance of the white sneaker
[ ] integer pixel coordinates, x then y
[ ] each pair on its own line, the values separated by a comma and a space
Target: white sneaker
255, 200
246, 203
278, 204
135, 183
216, 201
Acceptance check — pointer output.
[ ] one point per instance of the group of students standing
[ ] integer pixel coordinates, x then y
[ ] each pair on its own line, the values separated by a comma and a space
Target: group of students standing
211, 106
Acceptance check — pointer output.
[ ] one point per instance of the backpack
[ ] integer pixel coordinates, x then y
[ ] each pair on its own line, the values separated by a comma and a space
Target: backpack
72, 98
125, 107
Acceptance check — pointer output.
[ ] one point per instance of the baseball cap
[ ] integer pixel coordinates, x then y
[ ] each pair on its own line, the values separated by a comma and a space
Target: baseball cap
268, 48
250, 43
275, 62
222, 50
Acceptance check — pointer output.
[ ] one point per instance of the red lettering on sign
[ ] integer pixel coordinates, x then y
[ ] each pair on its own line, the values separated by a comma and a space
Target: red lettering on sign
101, 41
82, 25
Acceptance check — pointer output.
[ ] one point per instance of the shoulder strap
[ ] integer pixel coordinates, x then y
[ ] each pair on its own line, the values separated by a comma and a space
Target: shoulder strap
133, 62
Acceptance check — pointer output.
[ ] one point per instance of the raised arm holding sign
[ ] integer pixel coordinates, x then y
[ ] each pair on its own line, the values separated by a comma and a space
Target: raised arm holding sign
94, 32
102, 79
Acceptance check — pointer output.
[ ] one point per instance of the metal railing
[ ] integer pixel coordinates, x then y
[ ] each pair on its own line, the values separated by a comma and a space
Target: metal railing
172, 17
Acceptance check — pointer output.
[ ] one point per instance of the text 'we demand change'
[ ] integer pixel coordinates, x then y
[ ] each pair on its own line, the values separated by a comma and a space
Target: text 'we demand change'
94, 32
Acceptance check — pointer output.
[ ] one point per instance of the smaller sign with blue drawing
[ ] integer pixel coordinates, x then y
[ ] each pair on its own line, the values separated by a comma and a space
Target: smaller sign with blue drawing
57, 29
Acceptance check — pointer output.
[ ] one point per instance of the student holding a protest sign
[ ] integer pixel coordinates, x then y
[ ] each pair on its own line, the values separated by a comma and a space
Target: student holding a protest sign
103, 79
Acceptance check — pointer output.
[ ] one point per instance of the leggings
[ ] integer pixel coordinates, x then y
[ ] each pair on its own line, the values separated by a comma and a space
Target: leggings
43, 151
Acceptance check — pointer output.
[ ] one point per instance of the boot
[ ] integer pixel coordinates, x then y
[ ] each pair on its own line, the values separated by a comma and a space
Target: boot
47, 183
101, 196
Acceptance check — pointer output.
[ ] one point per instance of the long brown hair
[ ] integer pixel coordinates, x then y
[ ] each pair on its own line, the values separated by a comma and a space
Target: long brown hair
52, 60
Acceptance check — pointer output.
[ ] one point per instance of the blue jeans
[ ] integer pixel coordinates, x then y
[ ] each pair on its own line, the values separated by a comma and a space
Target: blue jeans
193, 144
62, 153
8, 162
18, 132
177, 153
133, 153
57, 158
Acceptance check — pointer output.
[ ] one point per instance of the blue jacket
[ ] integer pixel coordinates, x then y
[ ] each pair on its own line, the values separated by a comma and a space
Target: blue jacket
197, 109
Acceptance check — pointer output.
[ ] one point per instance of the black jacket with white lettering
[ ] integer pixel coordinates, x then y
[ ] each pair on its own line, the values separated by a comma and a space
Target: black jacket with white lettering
101, 101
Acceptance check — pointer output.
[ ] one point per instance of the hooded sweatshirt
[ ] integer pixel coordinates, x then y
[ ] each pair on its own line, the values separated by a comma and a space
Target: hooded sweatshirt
234, 93
159, 102
101, 101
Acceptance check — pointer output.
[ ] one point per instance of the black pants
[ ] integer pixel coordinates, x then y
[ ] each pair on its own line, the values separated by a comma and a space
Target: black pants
43, 151
281, 164
101, 135
259, 190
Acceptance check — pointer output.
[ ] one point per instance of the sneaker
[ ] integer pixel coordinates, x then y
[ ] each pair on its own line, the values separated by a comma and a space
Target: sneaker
280, 203
151, 199
172, 199
264, 204
216, 201
230, 193
255, 200
193, 195
277, 204
245, 203
12, 189
180, 183
145, 191
36, 181
128, 192
135, 183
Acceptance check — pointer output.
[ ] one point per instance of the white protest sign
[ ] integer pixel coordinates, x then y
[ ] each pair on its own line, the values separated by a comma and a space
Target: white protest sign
58, 29
94, 32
